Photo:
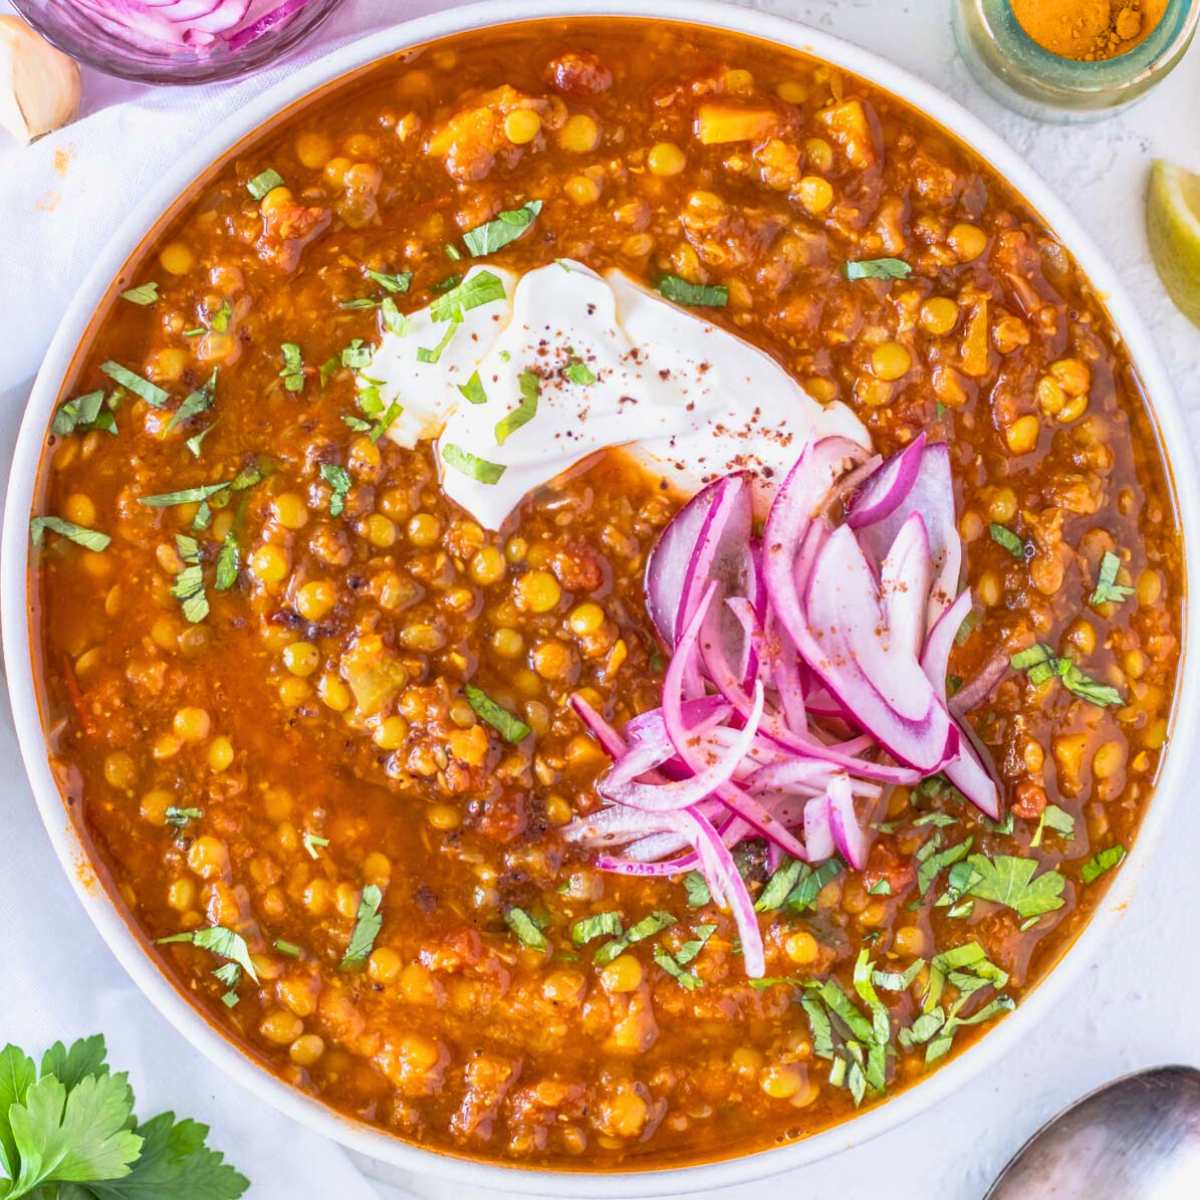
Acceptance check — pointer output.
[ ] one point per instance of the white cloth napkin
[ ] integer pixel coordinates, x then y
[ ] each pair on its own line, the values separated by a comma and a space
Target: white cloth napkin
59, 199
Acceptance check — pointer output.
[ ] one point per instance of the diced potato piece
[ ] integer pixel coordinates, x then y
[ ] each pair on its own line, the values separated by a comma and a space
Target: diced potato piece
719, 123
848, 125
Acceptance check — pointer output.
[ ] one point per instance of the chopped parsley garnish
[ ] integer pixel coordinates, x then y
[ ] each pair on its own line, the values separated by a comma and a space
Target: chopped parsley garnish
779, 886
692, 947
931, 861
526, 929
340, 484
89, 539
264, 182
1108, 590
579, 372
453, 253
431, 354
203, 518
530, 386
396, 284
696, 887
444, 285
293, 367
394, 321
1003, 536
479, 469
693, 295
185, 496
647, 927
195, 402
188, 587
898, 981
83, 414
511, 729
150, 392
229, 975
1010, 881
938, 819
1099, 863
290, 949
1041, 664
181, 818
465, 294
229, 560
355, 356
674, 968
966, 628
69, 1127
881, 887
472, 391
219, 940
359, 302
810, 882
144, 294
507, 227
605, 924
220, 319
328, 369
313, 844
1057, 820
877, 268
367, 924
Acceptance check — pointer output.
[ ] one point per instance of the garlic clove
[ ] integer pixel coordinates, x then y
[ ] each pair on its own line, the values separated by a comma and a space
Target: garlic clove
39, 85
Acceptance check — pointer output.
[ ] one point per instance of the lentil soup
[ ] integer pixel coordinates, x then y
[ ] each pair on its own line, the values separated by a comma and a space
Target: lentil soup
316, 719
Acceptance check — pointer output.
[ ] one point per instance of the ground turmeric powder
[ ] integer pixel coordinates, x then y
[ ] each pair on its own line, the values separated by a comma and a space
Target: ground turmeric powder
1088, 30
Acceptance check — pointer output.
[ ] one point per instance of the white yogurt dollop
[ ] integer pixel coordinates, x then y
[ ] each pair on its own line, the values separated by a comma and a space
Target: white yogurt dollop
568, 363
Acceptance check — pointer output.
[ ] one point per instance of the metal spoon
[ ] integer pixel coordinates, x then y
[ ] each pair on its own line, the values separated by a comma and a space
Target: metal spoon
1137, 1138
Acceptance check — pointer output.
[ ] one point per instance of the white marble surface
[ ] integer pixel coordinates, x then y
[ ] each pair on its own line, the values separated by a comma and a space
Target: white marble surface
1134, 1007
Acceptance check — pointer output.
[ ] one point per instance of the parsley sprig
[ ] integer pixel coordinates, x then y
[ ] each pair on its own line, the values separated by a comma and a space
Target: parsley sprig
70, 1122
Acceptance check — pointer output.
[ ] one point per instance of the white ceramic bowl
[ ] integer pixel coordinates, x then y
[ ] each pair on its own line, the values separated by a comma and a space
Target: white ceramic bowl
132, 951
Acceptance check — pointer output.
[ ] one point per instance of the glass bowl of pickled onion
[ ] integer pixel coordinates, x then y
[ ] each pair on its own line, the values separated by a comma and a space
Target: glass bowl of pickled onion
175, 41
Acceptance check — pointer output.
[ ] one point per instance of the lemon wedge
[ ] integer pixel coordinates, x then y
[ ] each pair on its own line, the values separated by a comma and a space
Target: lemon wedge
1173, 226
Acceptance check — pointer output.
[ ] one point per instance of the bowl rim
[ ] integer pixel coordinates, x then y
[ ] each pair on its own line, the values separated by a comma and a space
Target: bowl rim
130, 949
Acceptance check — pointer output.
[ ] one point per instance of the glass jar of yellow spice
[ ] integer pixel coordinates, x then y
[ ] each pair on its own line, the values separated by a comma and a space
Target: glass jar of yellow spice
1072, 60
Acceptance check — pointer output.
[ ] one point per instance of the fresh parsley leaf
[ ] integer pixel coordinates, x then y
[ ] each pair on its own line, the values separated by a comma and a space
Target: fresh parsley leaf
394, 284
340, 484
328, 369
83, 414
264, 182
696, 887
1087, 688
1099, 863
1057, 820
220, 319
692, 947
647, 927
1009, 880
367, 925
195, 402
526, 929
877, 268
479, 469
1108, 590
218, 940
507, 227
444, 285
779, 886
511, 729
881, 887
898, 981
579, 372
453, 253
431, 354
693, 295
931, 861
472, 391
185, 496
938, 819
359, 302
288, 949
181, 818
188, 587
1003, 536
394, 321
89, 539
293, 367
530, 386
685, 979
196, 441
313, 844
355, 356
144, 294
150, 392
483, 287
808, 887
605, 924
229, 559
